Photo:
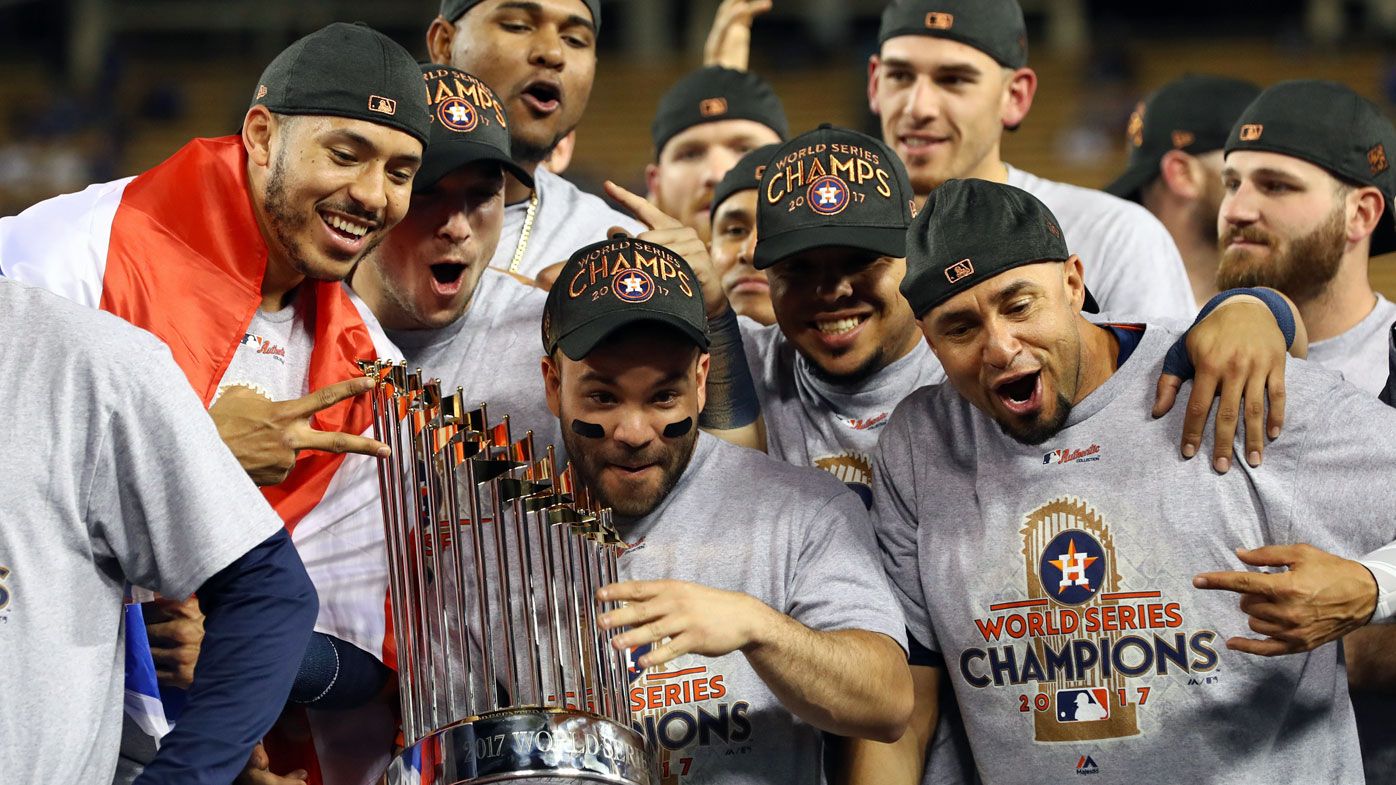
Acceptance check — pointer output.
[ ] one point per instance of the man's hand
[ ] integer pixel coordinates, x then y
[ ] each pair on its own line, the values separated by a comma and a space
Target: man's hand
683, 240
176, 633
1320, 598
266, 435
258, 771
1239, 355
696, 619
729, 41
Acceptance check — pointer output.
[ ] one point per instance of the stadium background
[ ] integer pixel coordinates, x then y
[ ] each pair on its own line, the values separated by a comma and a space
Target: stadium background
91, 90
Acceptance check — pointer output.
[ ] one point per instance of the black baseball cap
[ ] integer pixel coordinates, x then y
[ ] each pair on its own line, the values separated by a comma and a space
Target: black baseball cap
347, 70
468, 124
1328, 125
994, 27
617, 282
969, 231
712, 94
1194, 114
832, 187
745, 175
451, 10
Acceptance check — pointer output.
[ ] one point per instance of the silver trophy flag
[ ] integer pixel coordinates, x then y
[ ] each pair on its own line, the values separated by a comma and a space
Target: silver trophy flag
494, 559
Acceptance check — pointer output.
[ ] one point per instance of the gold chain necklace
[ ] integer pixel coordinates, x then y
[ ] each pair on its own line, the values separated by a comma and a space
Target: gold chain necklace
527, 230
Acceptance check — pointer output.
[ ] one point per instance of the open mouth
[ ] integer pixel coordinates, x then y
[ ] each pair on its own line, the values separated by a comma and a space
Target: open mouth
543, 97
349, 228
447, 272
1021, 395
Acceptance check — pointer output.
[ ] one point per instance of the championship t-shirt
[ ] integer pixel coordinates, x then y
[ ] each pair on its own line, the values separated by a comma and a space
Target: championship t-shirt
114, 473
1056, 580
811, 421
792, 538
274, 355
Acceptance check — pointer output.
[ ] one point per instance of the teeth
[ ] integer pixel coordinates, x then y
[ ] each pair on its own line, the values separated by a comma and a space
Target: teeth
838, 326
346, 227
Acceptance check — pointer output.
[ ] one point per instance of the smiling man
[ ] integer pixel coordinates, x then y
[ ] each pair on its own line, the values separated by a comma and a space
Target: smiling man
949, 77
1075, 639
539, 57
706, 122
232, 252
754, 581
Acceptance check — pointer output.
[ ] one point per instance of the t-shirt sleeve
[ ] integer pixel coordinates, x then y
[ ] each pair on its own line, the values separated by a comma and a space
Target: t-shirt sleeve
838, 583
167, 501
894, 516
1344, 500
1145, 276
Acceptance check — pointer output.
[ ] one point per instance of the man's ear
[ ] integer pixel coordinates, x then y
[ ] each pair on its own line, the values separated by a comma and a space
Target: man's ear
1074, 278
704, 360
552, 385
439, 37
1182, 174
1019, 92
258, 127
1366, 209
873, 62
652, 181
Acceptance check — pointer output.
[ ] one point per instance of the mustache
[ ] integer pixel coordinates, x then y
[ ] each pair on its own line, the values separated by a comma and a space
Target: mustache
1248, 234
355, 210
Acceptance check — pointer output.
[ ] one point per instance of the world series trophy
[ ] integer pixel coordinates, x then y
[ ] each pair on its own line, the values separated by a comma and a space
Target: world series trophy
494, 559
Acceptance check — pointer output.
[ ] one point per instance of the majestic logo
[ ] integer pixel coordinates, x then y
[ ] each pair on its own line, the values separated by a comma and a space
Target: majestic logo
939, 20
381, 105
959, 271
457, 114
1182, 139
1074, 648
1251, 132
712, 107
633, 286
1376, 158
1135, 130
1086, 765
827, 195
261, 92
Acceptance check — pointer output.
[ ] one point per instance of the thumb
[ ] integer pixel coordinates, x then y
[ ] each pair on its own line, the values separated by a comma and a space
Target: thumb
1270, 555
615, 230
1166, 394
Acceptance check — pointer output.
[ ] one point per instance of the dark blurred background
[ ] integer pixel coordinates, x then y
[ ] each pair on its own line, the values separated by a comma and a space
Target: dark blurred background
91, 90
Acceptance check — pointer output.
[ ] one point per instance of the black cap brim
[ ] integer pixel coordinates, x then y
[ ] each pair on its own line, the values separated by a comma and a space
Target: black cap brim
1129, 184
578, 343
882, 240
442, 158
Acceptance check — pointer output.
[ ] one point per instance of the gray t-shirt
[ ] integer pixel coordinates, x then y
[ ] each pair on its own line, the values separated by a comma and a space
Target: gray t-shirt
741, 521
492, 354
1132, 265
1360, 354
1055, 579
567, 219
811, 422
114, 473
274, 355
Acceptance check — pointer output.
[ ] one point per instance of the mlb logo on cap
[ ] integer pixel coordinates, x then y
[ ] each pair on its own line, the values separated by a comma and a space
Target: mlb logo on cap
959, 271
377, 103
1251, 132
712, 107
1182, 139
1376, 158
938, 20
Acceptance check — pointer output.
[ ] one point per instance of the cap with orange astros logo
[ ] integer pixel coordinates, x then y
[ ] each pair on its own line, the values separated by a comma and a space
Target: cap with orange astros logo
607, 286
468, 124
832, 187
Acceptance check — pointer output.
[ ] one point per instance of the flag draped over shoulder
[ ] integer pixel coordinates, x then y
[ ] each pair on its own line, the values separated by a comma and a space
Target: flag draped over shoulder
177, 251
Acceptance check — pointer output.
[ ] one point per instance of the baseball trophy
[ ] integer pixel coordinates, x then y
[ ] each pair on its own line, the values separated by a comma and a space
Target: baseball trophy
494, 559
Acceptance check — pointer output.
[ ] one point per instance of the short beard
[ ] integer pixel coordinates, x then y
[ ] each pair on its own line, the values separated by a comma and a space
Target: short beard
1040, 430
529, 154
286, 223
588, 462
1302, 269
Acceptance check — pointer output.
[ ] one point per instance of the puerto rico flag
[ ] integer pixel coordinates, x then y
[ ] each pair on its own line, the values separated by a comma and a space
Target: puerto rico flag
178, 252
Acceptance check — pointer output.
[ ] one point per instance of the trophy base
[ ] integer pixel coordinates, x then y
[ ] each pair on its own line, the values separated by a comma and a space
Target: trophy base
526, 745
